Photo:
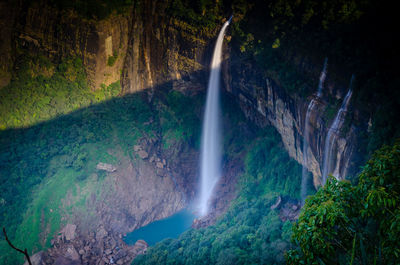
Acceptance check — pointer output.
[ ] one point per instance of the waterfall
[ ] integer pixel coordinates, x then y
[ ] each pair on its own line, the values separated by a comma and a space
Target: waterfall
333, 133
303, 192
210, 143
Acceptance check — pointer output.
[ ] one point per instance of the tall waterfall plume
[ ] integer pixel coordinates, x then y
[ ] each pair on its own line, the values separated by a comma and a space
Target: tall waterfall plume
333, 133
306, 139
210, 143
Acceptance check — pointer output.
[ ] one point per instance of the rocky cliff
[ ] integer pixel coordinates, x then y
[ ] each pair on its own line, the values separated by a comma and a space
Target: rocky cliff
142, 47
163, 48
39, 29
264, 101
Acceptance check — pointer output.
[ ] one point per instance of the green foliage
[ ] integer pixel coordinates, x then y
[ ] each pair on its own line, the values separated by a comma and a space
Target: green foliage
317, 13
199, 13
94, 9
177, 122
344, 224
41, 91
112, 59
271, 168
249, 233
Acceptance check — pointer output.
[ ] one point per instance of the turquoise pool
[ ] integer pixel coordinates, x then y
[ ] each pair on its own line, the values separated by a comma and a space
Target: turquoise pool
170, 227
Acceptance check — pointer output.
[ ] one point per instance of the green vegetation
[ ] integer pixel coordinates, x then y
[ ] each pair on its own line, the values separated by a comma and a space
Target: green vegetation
353, 224
112, 59
94, 9
42, 166
41, 90
200, 13
249, 233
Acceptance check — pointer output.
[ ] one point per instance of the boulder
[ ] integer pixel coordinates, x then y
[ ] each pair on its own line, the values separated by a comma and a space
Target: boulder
36, 259
160, 165
143, 154
106, 167
140, 247
101, 233
68, 232
71, 253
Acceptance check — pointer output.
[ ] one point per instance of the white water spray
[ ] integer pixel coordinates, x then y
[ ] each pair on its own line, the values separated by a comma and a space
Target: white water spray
333, 133
210, 142
306, 139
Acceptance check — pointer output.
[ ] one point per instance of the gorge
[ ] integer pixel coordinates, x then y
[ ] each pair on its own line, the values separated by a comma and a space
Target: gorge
101, 110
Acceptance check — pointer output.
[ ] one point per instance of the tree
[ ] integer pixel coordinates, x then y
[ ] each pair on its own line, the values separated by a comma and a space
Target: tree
353, 224
25, 251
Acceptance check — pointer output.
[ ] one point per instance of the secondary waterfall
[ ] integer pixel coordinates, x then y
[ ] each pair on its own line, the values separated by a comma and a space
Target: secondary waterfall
210, 143
306, 132
333, 133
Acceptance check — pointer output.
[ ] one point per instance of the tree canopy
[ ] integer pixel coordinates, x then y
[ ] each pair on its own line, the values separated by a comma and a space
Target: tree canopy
353, 224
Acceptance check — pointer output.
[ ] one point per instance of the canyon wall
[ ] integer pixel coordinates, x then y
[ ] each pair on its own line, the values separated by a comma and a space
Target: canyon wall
142, 47
264, 102
38, 29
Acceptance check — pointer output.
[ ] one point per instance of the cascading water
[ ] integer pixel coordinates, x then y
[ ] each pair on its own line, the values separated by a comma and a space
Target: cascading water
306, 132
333, 133
210, 144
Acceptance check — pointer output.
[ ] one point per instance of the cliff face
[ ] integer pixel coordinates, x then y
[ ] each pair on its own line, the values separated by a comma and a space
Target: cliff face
142, 47
39, 29
264, 102
162, 48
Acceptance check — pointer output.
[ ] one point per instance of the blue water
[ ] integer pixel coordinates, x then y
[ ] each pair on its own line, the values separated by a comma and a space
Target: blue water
170, 227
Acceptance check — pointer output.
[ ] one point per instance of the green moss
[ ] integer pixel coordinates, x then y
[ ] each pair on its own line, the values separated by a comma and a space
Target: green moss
112, 59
